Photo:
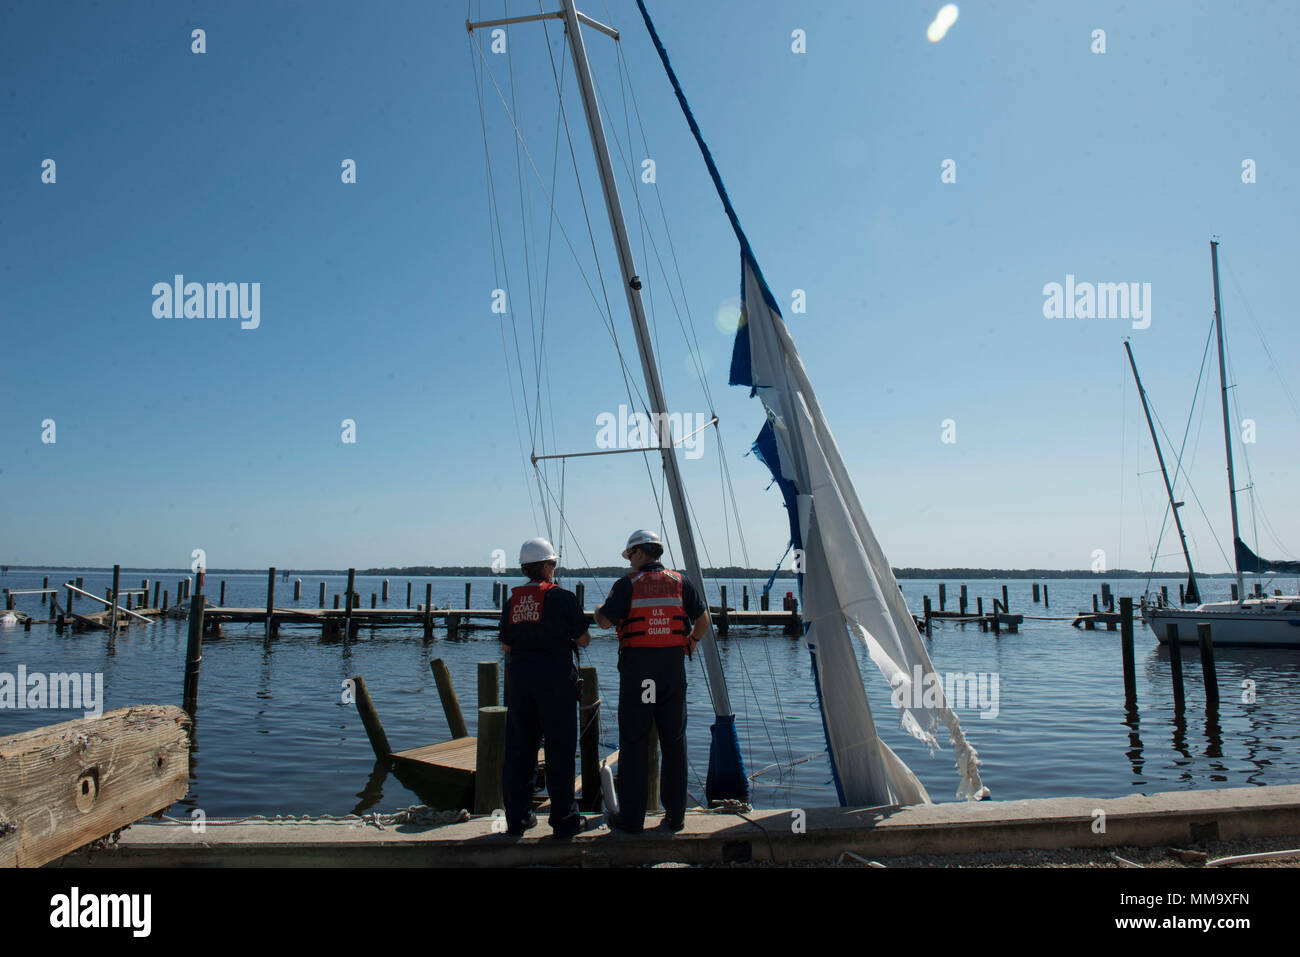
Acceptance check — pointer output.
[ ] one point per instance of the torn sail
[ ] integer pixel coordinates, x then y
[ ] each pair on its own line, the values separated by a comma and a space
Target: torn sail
847, 588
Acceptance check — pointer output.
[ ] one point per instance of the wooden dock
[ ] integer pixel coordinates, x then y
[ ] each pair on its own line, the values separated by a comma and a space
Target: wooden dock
333, 621
466, 771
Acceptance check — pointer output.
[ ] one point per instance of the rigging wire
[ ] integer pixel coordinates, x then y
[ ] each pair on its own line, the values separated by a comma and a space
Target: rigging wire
497, 237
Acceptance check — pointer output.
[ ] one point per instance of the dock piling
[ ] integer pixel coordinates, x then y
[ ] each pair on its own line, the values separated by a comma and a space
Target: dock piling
1207, 665
652, 778
490, 760
1035, 593
723, 626
1126, 649
961, 600
925, 604
408, 594
297, 589
1046, 603
370, 719
1176, 667
428, 611
348, 603
320, 601
193, 655
383, 590
467, 604
793, 627
112, 613
447, 694
270, 603
488, 684
589, 739
580, 591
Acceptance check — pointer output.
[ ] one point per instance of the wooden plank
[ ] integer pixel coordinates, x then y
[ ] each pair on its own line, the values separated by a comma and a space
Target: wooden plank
457, 753
66, 785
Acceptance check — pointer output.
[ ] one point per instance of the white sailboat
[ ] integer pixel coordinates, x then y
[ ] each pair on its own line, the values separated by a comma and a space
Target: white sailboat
1261, 621
848, 591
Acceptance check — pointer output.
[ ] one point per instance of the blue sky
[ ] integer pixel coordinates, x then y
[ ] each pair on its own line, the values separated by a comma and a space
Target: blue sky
924, 298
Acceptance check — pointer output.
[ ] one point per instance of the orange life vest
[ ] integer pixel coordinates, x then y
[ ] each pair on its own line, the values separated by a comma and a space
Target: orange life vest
657, 618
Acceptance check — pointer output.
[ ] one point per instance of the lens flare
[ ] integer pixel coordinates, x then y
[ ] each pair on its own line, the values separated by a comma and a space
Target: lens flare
727, 318
945, 18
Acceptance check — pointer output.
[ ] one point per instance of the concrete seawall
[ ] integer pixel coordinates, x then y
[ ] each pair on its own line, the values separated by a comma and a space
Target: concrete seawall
789, 835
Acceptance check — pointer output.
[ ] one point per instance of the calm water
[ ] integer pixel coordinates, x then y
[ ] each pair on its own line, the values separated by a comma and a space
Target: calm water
274, 737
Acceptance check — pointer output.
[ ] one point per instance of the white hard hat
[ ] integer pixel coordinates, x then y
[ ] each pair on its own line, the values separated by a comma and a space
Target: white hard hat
642, 536
536, 550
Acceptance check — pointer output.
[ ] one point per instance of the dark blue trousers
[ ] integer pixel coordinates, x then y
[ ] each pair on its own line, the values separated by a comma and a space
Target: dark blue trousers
666, 668
542, 698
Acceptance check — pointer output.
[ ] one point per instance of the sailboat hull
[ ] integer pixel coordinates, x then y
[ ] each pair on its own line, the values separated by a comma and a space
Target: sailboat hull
1232, 624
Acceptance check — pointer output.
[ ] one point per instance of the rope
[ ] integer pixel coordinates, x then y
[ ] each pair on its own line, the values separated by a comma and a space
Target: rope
415, 814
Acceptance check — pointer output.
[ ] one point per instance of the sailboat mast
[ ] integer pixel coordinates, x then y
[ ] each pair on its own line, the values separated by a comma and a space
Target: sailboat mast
632, 286
1192, 593
1227, 424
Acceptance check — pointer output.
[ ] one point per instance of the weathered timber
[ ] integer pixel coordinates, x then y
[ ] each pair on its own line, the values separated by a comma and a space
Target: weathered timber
66, 785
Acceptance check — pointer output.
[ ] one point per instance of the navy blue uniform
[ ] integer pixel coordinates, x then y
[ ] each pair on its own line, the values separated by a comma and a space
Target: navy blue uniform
540, 623
666, 667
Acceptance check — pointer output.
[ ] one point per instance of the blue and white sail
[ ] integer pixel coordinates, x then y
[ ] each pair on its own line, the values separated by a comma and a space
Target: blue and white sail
847, 588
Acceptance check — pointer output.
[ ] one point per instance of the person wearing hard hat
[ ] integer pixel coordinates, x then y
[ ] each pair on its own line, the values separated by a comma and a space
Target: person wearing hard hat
542, 627
660, 619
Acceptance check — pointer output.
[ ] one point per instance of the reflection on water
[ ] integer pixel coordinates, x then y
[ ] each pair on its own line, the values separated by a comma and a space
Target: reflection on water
273, 735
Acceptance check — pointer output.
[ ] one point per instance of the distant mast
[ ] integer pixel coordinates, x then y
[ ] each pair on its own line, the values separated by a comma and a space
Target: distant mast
1192, 594
1227, 424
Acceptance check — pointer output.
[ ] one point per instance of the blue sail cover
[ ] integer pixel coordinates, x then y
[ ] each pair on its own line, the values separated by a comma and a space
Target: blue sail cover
1248, 561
